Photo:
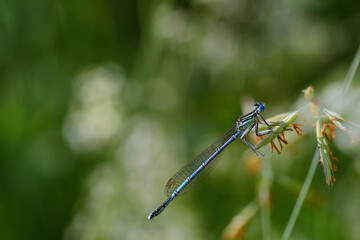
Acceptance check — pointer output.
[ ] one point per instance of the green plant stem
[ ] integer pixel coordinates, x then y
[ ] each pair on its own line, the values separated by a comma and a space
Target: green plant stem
239, 222
266, 180
302, 195
305, 188
349, 78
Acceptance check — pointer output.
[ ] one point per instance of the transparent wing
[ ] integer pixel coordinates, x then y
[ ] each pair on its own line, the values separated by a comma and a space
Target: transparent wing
178, 178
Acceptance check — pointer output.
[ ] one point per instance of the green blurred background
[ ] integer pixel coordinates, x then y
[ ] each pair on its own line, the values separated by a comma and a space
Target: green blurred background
102, 101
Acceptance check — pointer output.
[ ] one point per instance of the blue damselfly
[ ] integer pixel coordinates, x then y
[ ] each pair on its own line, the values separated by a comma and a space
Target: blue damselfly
185, 178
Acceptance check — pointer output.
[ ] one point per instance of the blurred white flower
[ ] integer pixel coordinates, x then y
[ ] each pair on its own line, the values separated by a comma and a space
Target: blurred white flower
94, 116
173, 25
219, 46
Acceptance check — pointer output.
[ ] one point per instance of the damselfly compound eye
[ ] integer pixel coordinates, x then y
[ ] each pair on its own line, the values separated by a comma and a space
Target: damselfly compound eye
261, 108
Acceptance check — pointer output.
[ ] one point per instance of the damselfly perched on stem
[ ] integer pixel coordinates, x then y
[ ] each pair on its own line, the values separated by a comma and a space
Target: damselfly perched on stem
185, 178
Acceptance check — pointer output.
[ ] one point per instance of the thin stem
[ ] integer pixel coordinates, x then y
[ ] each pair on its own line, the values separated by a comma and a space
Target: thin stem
237, 225
305, 188
349, 78
302, 195
266, 222
264, 197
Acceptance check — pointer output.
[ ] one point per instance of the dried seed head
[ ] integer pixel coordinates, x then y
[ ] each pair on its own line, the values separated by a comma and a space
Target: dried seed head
284, 122
326, 154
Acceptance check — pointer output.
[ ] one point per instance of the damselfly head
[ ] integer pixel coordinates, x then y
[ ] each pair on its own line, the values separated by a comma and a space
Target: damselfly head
259, 107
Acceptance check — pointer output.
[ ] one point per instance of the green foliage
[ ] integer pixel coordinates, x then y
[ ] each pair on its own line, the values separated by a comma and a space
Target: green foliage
101, 101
